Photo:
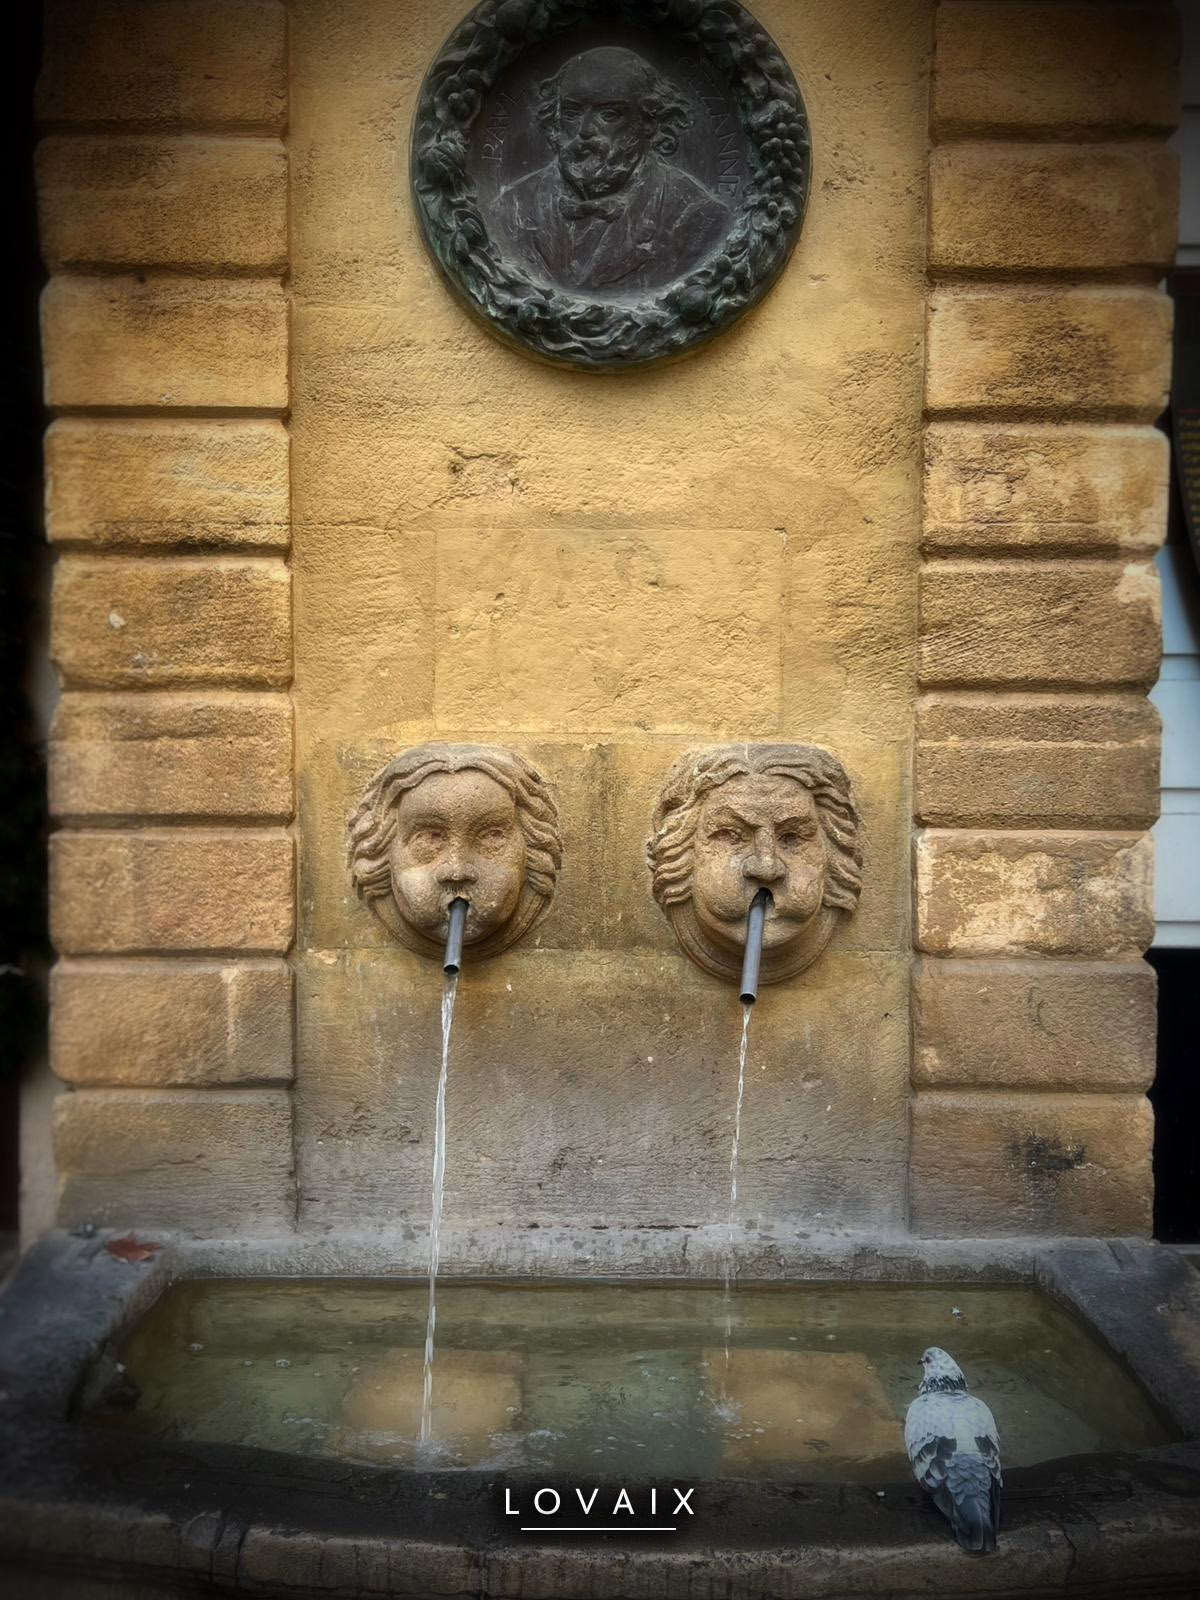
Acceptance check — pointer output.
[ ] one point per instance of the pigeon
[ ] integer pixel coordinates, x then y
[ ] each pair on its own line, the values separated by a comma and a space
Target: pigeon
955, 1451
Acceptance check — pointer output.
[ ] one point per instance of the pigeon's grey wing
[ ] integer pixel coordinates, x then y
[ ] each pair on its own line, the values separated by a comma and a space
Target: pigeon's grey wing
913, 1424
915, 1427
923, 1419
977, 1431
930, 1456
955, 1455
989, 1449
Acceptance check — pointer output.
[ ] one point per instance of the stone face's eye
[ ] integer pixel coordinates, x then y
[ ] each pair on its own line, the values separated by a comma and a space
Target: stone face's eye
726, 836
794, 834
494, 837
426, 840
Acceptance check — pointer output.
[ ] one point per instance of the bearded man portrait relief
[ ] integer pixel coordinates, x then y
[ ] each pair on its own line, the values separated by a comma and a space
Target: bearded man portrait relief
443, 822
739, 818
611, 210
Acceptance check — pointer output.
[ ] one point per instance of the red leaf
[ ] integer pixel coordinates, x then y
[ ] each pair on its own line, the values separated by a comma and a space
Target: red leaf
131, 1249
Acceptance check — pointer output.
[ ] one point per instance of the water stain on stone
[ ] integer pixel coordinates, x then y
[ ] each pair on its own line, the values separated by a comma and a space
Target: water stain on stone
1042, 1156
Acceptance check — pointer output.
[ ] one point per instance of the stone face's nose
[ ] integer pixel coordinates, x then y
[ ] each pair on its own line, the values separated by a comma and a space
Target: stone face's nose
763, 864
454, 869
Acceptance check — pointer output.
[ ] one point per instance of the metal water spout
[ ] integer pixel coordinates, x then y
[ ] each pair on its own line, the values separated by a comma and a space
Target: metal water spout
755, 921
452, 962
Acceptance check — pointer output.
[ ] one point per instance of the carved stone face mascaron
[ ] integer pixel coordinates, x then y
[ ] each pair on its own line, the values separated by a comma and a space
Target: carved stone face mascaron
740, 818
443, 822
607, 183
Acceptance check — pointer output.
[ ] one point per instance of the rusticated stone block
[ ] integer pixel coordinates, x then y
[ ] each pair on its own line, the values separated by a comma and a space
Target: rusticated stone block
1097, 351
196, 1161
171, 342
1078, 1025
173, 64
1036, 761
1055, 70
1031, 624
1004, 207
1056, 894
119, 623
158, 1024
156, 481
171, 755
1009, 1164
171, 889
179, 202
1044, 488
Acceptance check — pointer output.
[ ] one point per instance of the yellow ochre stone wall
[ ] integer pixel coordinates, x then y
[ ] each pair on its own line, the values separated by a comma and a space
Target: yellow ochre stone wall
261, 386
602, 572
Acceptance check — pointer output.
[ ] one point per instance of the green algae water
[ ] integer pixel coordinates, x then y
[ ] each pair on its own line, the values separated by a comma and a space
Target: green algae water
610, 1379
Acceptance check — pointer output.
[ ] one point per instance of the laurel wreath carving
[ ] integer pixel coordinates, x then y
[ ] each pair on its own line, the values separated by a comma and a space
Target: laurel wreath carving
557, 325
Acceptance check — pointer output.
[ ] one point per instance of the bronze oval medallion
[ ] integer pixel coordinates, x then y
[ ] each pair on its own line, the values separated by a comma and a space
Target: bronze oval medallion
608, 183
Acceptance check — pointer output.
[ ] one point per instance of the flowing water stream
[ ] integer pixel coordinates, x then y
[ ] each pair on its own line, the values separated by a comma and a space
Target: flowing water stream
734, 1155
435, 1214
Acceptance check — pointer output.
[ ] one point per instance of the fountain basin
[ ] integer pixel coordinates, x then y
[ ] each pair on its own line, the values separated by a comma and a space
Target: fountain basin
213, 1505
609, 1379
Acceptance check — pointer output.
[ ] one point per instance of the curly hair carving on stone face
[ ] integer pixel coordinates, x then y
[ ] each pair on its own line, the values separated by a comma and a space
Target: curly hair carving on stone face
443, 822
738, 818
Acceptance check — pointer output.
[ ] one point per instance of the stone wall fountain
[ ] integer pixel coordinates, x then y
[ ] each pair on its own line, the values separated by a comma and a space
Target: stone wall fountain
456, 849
351, 1248
754, 857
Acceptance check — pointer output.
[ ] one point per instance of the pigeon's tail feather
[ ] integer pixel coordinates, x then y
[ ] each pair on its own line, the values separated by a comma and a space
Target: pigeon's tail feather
974, 1497
971, 1520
